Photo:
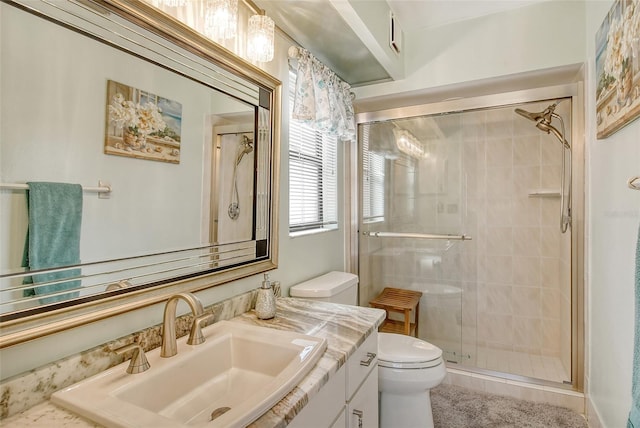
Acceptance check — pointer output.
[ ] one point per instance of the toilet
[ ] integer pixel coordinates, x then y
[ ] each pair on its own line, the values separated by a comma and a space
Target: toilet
407, 367
407, 370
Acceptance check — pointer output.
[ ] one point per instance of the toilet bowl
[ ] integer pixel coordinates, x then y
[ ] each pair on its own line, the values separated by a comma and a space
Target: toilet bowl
407, 367
407, 370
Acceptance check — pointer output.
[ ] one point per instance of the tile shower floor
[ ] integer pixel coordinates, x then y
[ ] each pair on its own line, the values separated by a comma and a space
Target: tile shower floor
522, 364
512, 362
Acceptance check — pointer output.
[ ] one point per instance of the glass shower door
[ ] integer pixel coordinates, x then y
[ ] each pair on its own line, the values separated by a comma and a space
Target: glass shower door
502, 301
413, 224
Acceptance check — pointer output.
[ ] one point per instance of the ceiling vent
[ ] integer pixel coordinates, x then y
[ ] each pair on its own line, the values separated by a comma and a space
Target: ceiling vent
395, 34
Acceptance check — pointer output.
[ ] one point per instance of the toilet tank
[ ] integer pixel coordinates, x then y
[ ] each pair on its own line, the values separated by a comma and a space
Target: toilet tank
335, 287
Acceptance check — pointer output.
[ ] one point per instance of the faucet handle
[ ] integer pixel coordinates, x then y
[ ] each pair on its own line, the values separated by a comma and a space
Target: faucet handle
195, 336
139, 362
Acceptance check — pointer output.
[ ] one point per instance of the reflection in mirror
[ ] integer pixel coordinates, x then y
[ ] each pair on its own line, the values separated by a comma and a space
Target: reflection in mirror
233, 207
189, 190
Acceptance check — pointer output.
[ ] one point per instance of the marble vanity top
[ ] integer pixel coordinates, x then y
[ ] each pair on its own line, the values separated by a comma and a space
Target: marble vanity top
344, 327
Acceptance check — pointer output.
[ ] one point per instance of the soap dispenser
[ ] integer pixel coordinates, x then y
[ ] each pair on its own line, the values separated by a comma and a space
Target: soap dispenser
266, 301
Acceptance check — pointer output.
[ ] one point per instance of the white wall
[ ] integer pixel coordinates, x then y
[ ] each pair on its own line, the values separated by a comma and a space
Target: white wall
300, 258
613, 219
543, 35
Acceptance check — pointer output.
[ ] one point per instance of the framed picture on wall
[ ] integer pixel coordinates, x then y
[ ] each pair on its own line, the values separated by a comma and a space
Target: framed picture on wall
618, 68
141, 124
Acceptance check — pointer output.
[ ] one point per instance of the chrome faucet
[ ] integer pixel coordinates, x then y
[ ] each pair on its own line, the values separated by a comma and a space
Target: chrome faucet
169, 344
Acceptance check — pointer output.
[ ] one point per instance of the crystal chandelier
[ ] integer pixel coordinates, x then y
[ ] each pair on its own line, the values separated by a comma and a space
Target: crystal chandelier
174, 3
260, 38
221, 19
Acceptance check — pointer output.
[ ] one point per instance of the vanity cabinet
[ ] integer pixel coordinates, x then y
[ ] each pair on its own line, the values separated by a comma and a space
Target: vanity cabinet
362, 385
350, 398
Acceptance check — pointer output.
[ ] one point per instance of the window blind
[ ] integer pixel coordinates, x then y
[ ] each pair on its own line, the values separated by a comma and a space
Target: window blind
313, 184
372, 180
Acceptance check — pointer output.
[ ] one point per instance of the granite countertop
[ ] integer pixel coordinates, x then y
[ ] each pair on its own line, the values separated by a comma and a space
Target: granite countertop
344, 327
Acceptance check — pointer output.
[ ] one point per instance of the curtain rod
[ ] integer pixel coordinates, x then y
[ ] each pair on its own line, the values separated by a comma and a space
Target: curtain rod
294, 52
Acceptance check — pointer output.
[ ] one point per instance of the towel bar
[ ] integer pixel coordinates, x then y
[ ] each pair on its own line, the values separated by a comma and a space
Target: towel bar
102, 188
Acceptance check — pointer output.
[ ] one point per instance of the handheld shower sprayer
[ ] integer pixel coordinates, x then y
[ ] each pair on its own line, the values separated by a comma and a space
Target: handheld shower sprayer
543, 122
245, 146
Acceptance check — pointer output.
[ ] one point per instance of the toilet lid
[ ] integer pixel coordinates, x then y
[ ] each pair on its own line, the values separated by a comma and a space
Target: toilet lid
401, 351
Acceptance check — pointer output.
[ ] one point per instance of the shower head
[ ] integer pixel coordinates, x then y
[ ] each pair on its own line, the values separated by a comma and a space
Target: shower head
543, 121
246, 147
535, 117
544, 117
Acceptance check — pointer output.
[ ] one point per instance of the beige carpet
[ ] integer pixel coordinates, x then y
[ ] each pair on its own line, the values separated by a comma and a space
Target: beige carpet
457, 407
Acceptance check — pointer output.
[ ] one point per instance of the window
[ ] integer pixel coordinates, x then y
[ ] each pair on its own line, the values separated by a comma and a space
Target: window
372, 180
313, 184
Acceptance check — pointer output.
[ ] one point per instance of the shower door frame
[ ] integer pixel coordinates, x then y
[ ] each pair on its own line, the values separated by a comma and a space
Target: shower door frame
574, 91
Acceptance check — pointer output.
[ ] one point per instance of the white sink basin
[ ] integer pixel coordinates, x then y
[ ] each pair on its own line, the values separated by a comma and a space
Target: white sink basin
245, 368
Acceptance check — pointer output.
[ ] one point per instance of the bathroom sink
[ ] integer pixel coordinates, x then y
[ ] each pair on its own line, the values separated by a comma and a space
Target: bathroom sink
236, 375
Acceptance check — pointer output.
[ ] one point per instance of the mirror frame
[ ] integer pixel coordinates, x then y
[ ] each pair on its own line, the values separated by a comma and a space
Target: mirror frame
141, 14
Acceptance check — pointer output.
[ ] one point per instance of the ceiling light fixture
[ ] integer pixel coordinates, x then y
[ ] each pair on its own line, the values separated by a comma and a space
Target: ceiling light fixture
407, 143
221, 20
174, 3
260, 38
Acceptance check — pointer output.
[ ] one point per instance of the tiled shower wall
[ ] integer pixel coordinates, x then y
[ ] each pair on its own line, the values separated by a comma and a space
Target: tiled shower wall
523, 261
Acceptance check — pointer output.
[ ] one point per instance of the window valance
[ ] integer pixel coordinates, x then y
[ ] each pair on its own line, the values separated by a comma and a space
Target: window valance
321, 99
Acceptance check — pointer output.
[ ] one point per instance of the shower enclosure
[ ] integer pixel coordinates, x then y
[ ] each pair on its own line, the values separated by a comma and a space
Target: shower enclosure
467, 202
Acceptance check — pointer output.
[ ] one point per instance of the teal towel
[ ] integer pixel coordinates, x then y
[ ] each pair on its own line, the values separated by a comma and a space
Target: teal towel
634, 414
53, 237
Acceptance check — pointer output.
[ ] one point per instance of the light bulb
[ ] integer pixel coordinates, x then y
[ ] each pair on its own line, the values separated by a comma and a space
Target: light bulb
260, 38
221, 19
174, 3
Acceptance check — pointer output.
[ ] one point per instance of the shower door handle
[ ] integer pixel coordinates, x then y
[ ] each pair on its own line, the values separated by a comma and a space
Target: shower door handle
417, 236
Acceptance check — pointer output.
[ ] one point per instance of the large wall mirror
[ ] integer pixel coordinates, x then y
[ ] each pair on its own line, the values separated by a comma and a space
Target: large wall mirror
137, 159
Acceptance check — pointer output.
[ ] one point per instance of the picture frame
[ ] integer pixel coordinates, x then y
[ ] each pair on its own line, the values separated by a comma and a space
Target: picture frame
142, 125
618, 68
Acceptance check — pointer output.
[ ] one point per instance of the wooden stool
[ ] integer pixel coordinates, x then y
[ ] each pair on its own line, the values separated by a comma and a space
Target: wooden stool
402, 301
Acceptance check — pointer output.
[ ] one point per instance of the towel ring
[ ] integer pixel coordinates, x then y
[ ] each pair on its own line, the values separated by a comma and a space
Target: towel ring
634, 182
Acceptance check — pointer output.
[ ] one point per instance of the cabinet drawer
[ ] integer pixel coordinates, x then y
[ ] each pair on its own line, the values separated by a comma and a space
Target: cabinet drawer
361, 363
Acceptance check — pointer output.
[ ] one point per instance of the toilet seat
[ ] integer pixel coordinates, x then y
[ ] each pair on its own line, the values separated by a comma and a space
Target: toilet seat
399, 351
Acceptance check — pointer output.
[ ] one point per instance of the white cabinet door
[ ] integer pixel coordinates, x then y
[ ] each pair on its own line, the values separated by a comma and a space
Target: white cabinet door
363, 361
362, 410
324, 408
341, 422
